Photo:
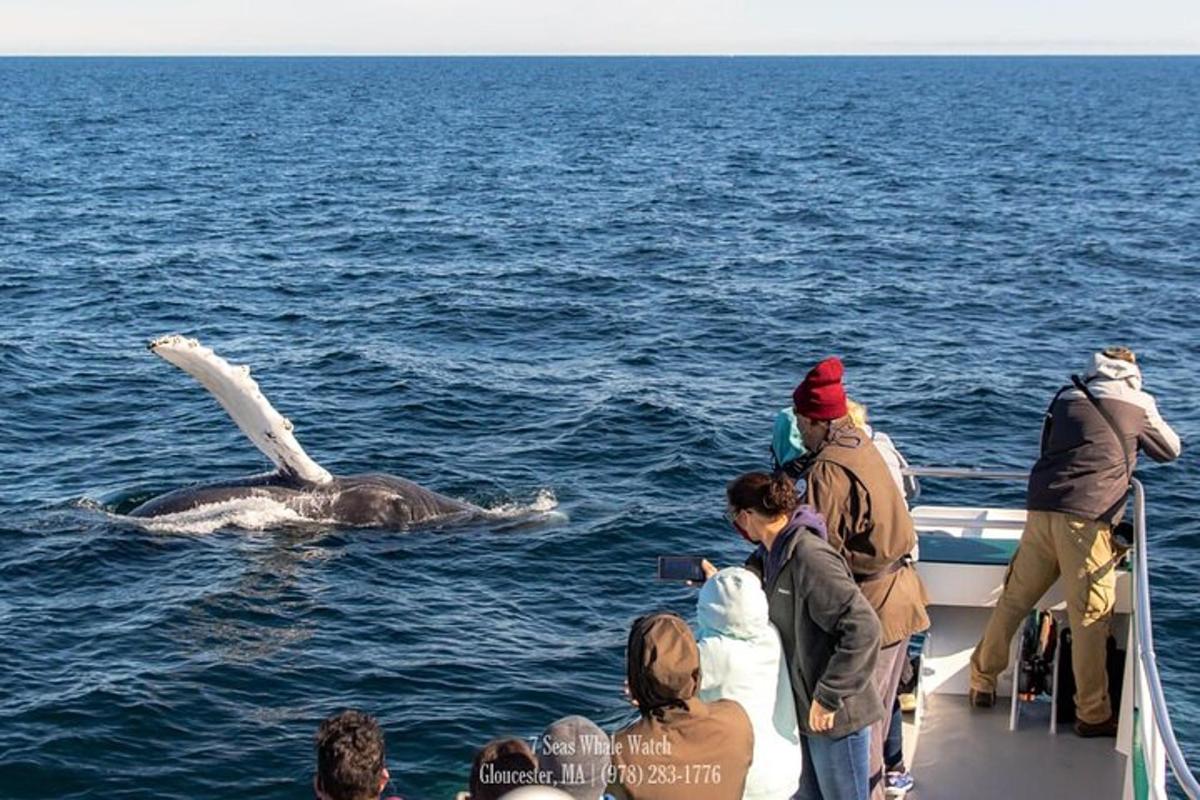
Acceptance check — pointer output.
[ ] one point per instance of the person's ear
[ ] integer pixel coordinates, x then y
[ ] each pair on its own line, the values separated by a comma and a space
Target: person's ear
317, 787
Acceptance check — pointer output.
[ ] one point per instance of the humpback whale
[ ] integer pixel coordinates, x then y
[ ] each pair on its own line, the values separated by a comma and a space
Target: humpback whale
298, 483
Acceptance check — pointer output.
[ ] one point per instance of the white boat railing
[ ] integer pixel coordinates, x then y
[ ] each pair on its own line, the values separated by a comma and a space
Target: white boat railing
1148, 661
1154, 744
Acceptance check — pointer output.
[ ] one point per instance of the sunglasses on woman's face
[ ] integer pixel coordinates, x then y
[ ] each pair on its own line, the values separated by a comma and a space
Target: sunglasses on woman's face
732, 513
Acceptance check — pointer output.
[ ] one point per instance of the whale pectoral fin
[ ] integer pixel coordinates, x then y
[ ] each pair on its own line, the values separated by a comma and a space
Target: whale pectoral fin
241, 398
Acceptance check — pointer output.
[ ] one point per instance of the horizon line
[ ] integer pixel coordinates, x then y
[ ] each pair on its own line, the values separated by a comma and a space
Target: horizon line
808, 54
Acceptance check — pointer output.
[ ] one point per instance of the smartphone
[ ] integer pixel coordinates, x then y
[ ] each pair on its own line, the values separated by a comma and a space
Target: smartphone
680, 568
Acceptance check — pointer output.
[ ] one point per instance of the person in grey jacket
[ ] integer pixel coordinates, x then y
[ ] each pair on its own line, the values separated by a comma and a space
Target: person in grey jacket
1077, 493
830, 634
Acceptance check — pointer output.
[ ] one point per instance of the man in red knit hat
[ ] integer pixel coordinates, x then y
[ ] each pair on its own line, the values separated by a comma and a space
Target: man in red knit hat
848, 482
821, 396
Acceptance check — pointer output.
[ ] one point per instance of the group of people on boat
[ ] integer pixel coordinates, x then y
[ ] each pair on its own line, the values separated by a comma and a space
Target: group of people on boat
789, 686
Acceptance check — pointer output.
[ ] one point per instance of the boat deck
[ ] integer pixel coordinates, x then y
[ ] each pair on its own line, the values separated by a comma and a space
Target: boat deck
960, 752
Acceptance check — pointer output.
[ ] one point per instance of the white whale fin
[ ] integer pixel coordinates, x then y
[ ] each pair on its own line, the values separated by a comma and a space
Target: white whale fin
241, 398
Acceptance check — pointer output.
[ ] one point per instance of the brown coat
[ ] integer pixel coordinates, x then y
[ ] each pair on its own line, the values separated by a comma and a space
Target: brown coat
680, 748
868, 522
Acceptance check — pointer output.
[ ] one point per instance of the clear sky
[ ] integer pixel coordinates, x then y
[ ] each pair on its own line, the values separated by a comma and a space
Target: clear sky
598, 26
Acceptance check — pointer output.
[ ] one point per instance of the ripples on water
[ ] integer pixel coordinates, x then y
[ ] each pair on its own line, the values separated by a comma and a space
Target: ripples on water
510, 280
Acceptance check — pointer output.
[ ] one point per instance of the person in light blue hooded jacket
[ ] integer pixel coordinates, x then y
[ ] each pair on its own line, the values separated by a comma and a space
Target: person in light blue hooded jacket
741, 658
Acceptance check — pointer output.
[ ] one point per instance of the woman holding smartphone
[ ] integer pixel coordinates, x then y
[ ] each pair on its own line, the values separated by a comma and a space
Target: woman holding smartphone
830, 633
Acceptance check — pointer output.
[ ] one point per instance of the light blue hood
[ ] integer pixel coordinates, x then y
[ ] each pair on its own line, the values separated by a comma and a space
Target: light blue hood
786, 442
741, 658
732, 603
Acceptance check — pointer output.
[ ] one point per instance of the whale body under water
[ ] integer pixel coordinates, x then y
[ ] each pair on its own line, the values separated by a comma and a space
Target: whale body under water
300, 484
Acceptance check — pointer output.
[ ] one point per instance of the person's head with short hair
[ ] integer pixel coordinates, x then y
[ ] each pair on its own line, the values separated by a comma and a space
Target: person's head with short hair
351, 761
500, 766
573, 755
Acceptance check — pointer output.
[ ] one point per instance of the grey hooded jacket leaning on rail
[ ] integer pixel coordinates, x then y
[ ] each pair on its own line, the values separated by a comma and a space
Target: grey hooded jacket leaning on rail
1082, 468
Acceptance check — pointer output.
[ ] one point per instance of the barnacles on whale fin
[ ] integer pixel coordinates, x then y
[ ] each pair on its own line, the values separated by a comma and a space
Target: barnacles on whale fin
171, 339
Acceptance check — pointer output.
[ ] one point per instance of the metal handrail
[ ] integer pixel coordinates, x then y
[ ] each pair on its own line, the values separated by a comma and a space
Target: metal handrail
1145, 630
1145, 635
966, 472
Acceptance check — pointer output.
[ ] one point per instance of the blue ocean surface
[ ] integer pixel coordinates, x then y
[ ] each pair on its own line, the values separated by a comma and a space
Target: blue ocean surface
574, 289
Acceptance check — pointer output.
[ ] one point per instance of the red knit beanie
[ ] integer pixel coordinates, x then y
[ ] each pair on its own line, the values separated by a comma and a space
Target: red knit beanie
820, 395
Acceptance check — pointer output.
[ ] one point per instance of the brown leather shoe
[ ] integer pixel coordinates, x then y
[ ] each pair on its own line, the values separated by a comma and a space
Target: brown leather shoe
979, 698
1090, 729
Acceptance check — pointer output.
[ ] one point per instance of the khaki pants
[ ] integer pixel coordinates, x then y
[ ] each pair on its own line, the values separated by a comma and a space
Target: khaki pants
1081, 551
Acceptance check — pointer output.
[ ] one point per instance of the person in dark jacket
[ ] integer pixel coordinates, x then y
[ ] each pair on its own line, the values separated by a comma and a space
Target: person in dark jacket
829, 631
1077, 490
680, 748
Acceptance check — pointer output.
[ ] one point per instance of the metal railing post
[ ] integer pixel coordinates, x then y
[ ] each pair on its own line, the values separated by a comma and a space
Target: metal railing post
1145, 634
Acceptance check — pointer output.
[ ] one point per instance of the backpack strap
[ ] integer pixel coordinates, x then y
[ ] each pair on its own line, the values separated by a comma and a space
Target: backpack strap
1116, 430
1047, 419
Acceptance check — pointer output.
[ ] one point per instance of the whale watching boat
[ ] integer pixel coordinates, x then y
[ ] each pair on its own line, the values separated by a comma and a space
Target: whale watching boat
1024, 747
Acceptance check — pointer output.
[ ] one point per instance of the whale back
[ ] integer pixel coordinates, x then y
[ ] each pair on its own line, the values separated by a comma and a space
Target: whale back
370, 500
380, 499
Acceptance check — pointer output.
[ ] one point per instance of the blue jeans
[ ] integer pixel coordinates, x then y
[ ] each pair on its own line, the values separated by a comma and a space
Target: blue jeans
893, 745
836, 769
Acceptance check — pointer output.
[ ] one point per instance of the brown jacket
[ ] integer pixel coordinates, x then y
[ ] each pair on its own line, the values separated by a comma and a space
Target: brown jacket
680, 748
868, 522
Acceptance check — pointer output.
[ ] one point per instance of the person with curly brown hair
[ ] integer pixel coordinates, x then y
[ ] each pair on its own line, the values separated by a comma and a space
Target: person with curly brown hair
351, 759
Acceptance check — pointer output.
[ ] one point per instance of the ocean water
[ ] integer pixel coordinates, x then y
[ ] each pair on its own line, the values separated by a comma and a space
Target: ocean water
576, 289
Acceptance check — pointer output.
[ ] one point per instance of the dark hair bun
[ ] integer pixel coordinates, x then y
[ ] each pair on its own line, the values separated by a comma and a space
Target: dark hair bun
779, 496
769, 495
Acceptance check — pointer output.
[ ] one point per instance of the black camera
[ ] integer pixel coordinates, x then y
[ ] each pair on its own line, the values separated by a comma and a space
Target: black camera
1122, 535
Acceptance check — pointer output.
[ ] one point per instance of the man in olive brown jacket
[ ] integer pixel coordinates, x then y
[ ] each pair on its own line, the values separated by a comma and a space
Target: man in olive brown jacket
680, 748
848, 482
